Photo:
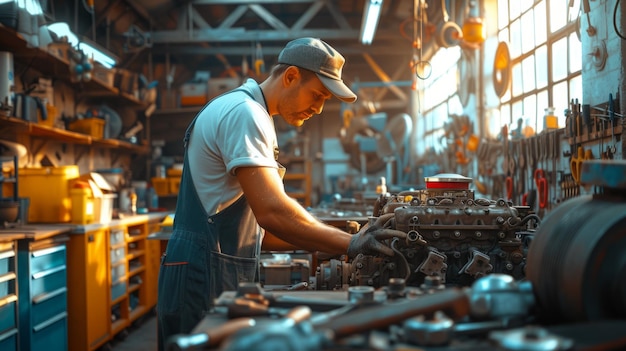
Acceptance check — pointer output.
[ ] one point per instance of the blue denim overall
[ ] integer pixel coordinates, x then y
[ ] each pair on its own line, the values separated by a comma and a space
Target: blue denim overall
205, 256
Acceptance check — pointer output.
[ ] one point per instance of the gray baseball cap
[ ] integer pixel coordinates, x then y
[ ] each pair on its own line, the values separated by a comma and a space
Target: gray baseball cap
315, 55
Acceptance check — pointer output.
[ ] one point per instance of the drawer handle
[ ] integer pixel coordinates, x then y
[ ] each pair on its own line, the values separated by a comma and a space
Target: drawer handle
6, 277
43, 297
50, 322
7, 300
48, 251
7, 254
8, 334
48, 272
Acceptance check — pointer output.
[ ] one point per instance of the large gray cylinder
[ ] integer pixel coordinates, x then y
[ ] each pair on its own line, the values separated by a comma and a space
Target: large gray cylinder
7, 80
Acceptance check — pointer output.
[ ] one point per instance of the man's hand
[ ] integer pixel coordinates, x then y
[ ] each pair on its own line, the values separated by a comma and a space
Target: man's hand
367, 240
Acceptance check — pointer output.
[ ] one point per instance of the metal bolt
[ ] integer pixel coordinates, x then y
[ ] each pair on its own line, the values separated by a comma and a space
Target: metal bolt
478, 234
457, 233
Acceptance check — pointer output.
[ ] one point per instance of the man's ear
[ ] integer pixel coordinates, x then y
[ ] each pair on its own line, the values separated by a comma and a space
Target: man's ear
291, 76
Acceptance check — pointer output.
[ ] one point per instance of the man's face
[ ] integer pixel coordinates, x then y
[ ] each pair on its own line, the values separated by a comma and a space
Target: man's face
302, 98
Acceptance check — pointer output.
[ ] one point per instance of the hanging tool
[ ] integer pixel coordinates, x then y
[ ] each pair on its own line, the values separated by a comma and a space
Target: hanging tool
542, 187
577, 160
611, 113
591, 30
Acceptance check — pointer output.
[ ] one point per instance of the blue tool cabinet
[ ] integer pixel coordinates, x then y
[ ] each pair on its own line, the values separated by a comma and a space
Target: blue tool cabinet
8, 296
42, 293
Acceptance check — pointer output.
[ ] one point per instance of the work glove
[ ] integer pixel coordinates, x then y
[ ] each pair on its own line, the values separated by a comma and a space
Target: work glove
368, 240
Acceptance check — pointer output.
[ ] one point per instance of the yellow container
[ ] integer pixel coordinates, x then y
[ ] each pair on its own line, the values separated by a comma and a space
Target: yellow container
49, 191
82, 205
174, 184
89, 126
161, 186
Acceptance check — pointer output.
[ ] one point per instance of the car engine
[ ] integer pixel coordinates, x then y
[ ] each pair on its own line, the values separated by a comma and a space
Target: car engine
451, 236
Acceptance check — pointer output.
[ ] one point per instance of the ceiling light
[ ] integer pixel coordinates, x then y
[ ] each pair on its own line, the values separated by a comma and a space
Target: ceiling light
371, 14
90, 49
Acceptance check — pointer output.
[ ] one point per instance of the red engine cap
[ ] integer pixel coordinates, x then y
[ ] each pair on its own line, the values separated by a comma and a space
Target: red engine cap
448, 181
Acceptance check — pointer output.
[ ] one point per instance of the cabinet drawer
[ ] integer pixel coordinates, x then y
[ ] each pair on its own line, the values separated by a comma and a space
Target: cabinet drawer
49, 305
8, 340
118, 254
7, 314
7, 285
117, 236
46, 259
48, 281
7, 262
51, 335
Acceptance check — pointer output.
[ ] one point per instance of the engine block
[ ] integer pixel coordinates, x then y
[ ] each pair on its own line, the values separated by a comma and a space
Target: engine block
451, 236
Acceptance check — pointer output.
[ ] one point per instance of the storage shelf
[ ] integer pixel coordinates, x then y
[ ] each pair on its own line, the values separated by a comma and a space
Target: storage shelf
137, 312
119, 325
134, 254
118, 300
59, 68
134, 288
66, 136
136, 271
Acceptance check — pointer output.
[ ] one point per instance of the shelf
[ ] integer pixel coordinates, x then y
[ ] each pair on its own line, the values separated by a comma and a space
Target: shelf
59, 68
137, 312
134, 254
66, 136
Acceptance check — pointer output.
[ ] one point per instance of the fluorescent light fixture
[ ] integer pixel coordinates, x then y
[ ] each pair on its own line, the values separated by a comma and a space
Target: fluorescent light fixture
371, 14
61, 29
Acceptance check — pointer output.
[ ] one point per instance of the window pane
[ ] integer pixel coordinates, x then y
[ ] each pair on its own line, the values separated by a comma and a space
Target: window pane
528, 71
559, 59
541, 66
528, 35
503, 14
542, 104
558, 11
516, 39
505, 115
560, 101
517, 112
541, 30
504, 36
530, 114
525, 4
517, 80
575, 54
515, 9
573, 11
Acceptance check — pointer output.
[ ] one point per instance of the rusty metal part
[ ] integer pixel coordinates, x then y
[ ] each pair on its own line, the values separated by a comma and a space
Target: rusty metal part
453, 302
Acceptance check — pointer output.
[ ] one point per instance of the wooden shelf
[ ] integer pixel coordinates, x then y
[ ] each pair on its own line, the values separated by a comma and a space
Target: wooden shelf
66, 136
59, 68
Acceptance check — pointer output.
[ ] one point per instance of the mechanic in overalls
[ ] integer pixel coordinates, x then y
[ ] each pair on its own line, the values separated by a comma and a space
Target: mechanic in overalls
231, 190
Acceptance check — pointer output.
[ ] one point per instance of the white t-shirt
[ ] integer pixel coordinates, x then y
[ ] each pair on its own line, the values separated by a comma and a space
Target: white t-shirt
233, 131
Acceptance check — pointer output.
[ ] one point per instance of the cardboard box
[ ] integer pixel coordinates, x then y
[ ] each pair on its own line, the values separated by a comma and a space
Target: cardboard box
194, 94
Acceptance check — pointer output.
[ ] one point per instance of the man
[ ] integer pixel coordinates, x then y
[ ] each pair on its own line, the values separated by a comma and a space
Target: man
231, 188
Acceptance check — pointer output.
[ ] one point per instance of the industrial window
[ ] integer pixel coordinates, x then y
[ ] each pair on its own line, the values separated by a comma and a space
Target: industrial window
546, 59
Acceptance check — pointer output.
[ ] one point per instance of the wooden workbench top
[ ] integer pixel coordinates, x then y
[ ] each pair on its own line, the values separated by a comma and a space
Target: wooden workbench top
34, 231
